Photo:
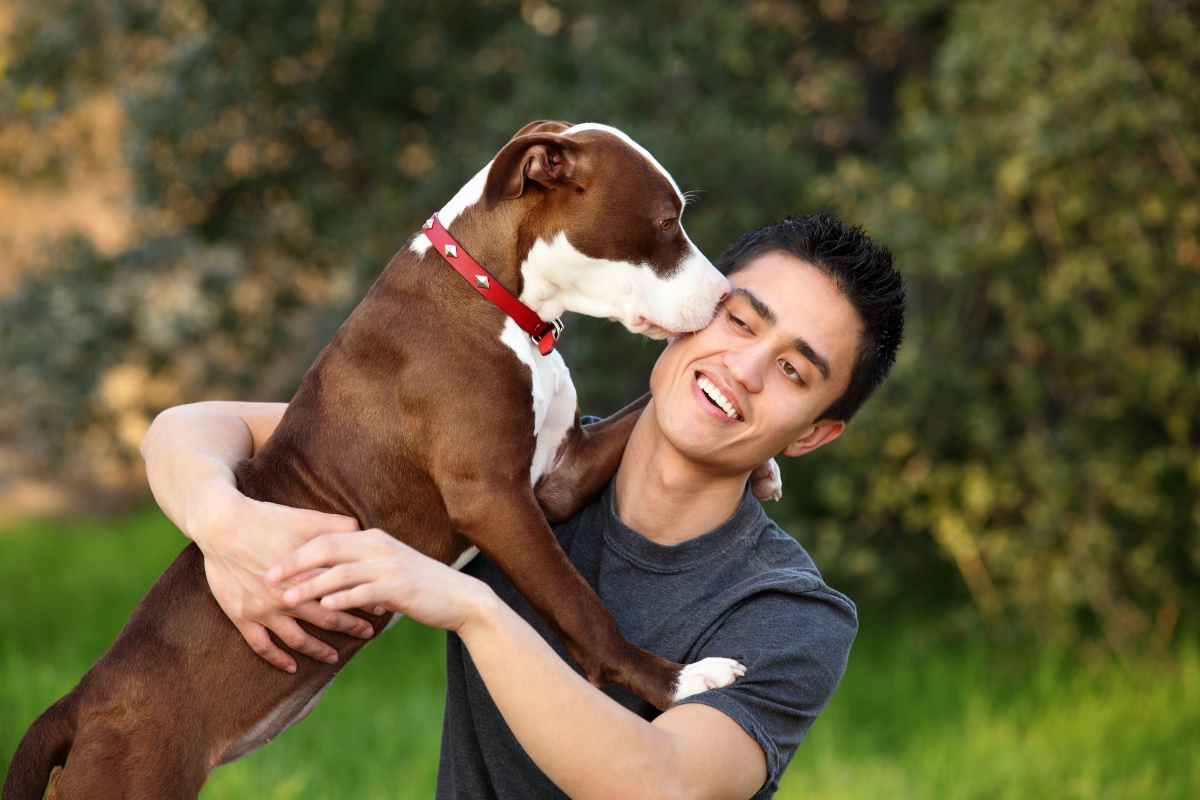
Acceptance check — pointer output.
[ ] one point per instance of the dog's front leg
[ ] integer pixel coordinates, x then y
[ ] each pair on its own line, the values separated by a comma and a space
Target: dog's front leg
587, 458
504, 521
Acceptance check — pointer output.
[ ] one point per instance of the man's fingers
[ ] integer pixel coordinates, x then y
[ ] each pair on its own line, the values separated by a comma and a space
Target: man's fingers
295, 637
334, 579
312, 573
260, 642
322, 551
308, 524
361, 595
332, 549
331, 620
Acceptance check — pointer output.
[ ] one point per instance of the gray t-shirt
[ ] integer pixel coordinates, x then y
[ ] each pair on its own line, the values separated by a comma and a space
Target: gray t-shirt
745, 590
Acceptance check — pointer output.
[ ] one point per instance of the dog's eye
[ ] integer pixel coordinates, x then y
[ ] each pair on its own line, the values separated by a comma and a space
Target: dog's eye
666, 224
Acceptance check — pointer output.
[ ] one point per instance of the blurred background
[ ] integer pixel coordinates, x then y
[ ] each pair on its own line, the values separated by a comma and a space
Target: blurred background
195, 193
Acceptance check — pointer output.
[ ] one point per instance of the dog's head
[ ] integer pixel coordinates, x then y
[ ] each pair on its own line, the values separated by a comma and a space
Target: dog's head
605, 237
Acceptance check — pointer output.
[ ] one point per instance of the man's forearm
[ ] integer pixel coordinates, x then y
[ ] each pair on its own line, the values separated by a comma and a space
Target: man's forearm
588, 744
585, 742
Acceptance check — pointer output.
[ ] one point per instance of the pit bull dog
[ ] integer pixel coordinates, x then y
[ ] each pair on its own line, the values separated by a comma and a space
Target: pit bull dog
435, 416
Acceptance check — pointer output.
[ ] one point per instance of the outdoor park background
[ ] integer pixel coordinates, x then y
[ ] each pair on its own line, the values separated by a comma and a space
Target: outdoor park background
194, 194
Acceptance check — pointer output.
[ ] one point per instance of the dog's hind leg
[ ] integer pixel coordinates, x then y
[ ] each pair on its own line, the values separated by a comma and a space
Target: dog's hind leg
138, 761
44, 747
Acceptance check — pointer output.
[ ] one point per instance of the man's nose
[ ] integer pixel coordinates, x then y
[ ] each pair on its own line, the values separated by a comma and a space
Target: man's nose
747, 365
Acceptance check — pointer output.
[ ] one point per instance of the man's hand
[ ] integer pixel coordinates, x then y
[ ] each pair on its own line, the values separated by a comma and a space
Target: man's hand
242, 538
371, 569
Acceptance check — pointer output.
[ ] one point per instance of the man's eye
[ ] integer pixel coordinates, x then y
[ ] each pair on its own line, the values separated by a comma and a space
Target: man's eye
738, 322
790, 371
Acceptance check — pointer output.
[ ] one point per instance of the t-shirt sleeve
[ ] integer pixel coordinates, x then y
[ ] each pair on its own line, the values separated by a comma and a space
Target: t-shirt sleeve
794, 647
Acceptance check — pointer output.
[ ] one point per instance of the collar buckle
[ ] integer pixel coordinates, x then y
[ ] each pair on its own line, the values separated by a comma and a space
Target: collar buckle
546, 338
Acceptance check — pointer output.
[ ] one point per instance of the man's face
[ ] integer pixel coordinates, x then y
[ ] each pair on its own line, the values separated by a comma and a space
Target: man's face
751, 384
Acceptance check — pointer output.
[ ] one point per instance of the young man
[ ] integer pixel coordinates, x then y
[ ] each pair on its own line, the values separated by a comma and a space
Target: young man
676, 547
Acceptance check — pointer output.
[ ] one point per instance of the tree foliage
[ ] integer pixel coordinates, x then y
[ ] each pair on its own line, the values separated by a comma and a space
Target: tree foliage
1037, 451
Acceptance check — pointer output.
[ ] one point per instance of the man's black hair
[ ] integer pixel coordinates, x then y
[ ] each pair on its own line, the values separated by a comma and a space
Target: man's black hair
861, 269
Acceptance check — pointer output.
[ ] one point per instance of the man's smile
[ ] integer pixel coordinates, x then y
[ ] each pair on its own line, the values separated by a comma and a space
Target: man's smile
718, 399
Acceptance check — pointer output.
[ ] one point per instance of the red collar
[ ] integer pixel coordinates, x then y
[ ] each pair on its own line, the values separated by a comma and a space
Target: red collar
544, 334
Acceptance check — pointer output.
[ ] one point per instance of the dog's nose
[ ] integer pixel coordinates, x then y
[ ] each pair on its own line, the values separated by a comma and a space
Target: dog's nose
723, 289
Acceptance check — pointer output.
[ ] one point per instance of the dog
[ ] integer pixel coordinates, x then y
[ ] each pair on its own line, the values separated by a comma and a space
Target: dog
433, 415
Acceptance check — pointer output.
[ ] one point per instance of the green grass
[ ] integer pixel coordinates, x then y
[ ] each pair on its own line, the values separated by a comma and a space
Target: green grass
919, 719
916, 717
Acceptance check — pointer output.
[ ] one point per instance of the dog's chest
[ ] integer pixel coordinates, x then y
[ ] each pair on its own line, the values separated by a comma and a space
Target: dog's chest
553, 397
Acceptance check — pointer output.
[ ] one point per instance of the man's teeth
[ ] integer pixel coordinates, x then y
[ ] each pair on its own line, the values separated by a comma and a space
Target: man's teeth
715, 395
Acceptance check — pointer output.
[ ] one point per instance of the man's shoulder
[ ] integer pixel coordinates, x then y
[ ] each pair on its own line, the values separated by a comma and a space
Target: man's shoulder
783, 562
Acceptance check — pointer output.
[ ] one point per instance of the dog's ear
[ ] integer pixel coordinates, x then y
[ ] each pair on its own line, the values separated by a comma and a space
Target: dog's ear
542, 157
543, 126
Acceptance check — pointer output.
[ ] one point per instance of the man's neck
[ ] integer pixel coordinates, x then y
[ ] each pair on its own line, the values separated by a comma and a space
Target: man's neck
667, 497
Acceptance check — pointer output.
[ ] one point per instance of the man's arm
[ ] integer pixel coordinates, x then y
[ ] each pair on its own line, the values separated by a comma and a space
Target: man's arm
190, 453
584, 741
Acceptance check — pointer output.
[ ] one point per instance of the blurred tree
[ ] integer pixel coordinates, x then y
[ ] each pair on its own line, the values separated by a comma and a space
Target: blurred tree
1042, 427
1030, 164
305, 141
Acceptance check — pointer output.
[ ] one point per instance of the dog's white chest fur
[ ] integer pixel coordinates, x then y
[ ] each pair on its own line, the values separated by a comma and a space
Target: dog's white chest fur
553, 397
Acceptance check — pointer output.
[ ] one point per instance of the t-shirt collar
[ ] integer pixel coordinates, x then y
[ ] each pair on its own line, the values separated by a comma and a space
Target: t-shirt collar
746, 521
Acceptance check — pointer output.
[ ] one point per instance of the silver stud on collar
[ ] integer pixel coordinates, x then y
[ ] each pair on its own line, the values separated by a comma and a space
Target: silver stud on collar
428, 224
451, 251
482, 282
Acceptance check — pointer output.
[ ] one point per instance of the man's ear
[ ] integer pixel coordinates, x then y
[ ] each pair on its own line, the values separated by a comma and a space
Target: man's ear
543, 157
821, 433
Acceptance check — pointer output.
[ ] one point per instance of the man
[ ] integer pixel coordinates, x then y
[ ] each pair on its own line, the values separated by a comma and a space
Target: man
676, 547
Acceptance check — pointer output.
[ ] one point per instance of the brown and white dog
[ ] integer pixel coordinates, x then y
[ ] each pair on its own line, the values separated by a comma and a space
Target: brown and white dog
433, 416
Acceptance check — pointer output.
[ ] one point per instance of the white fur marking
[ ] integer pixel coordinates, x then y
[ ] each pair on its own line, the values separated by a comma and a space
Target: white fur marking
596, 126
283, 716
553, 396
560, 278
470, 194
766, 482
705, 674
462, 560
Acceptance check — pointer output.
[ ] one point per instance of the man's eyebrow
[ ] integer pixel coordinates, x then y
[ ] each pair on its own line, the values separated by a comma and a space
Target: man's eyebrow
819, 361
760, 308
798, 344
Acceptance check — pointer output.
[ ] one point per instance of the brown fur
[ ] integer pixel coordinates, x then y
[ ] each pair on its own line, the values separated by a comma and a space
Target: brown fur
416, 419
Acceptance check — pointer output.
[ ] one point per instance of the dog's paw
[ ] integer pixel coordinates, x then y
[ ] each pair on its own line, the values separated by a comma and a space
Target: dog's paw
708, 673
765, 481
